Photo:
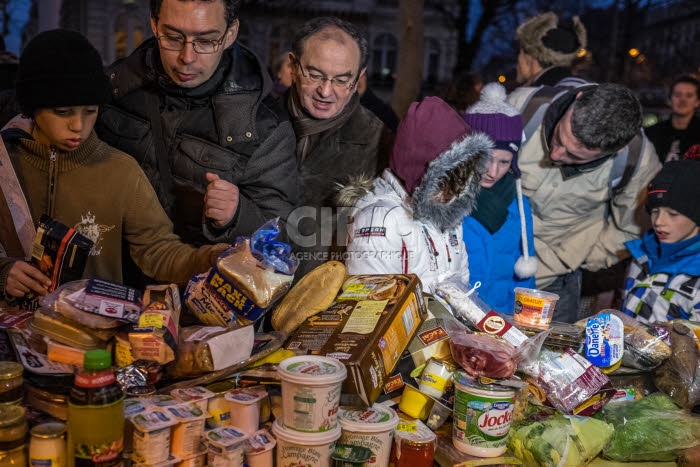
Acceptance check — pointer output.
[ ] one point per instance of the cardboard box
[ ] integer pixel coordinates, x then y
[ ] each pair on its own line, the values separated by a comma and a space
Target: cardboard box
367, 328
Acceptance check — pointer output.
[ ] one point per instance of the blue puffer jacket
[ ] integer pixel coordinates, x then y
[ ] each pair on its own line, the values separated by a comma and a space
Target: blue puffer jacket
493, 256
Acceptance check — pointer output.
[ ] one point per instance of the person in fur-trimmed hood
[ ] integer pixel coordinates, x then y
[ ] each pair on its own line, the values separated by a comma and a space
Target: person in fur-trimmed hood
409, 220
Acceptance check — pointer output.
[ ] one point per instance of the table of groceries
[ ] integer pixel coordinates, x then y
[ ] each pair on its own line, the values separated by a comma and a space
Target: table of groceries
356, 370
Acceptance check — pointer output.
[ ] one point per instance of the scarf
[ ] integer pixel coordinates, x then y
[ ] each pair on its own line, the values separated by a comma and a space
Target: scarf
492, 204
308, 129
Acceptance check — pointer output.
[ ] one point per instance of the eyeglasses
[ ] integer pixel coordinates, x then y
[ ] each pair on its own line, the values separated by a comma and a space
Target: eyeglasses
344, 83
202, 46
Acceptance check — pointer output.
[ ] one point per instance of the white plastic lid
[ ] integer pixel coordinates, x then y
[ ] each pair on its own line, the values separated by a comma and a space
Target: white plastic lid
261, 441
226, 437
133, 406
152, 419
372, 420
302, 438
193, 394
245, 396
186, 412
162, 400
312, 370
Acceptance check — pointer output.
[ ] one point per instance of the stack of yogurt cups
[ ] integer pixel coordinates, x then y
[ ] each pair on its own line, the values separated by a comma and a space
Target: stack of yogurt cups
308, 430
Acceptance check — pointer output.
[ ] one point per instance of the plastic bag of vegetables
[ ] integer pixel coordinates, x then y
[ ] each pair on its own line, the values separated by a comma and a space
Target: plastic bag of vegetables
559, 441
649, 429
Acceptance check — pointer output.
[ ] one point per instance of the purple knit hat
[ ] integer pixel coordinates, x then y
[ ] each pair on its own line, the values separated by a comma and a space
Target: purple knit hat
428, 129
498, 119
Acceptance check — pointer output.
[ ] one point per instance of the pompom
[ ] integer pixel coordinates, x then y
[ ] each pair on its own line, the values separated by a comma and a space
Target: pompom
525, 266
493, 92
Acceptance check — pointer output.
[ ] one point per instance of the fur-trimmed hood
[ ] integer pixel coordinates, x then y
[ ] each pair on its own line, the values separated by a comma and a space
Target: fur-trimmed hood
555, 50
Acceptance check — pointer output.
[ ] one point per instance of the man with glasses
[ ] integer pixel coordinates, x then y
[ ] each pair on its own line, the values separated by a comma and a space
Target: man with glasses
194, 107
337, 138
585, 164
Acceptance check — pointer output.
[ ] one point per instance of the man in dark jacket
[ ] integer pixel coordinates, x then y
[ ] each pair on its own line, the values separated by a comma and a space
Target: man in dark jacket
337, 138
194, 108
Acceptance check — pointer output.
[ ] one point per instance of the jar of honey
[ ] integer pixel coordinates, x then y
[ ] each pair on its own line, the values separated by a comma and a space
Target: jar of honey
414, 445
11, 382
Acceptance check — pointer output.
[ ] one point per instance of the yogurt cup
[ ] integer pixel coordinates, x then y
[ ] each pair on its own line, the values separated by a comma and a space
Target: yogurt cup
258, 451
226, 446
171, 461
218, 407
198, 460
436, 377
162, 400
244, 406
371, 428
307, 449
482, 417
534, 307
186, 435
311, 388
151, 436
195, 395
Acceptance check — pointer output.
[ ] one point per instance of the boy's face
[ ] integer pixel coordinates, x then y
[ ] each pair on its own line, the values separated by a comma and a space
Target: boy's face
496, 168
671, 226
66, 128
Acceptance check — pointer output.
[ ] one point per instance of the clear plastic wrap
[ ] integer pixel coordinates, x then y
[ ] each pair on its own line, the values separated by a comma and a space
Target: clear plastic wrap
63, 301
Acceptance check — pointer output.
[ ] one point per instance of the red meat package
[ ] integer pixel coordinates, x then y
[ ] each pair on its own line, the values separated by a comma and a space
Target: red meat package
485, 354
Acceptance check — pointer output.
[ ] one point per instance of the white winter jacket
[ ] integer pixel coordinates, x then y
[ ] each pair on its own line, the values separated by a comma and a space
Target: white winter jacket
385, 238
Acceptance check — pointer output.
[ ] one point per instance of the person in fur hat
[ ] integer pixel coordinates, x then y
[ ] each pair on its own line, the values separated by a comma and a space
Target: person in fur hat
409, 220
548, 47
499, 230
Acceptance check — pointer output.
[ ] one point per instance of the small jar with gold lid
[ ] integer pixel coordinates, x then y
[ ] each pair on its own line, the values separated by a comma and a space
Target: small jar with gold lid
11, 382
47, 446
13, 427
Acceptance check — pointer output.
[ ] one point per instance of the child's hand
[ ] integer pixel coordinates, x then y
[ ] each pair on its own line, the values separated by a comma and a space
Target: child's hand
24, 278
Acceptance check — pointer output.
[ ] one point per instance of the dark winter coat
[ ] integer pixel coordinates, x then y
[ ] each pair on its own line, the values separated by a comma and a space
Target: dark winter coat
230, 126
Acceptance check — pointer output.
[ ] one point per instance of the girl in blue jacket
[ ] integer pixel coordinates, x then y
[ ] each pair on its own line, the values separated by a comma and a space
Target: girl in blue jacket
498, 234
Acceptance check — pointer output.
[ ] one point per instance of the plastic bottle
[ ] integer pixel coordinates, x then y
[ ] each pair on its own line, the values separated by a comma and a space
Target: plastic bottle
96, 414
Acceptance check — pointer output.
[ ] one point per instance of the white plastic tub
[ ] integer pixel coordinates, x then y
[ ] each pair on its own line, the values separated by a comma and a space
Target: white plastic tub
371, 428
308, 449
311, 388
244, 406
259, 448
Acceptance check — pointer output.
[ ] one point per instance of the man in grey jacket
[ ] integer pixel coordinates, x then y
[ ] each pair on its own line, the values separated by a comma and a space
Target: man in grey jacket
194, 108
583, 207
337, 138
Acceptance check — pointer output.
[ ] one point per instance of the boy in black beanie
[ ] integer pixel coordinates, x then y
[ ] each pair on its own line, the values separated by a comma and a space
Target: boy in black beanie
664, 278
59, 167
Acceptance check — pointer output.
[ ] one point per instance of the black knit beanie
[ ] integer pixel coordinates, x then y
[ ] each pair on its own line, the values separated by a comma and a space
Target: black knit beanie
677, 186
60, 68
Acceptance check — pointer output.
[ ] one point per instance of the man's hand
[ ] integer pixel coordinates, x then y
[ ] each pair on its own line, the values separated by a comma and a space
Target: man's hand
220, 200
24, 278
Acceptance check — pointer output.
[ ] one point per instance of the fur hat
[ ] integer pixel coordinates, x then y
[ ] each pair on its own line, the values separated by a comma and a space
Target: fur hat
60, 68
676, 186
498, 119
431, 141
551, 40
503, 123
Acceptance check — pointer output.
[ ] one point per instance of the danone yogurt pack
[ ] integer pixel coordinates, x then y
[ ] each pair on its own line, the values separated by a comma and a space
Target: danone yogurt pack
226, 447
151, 436
605, 341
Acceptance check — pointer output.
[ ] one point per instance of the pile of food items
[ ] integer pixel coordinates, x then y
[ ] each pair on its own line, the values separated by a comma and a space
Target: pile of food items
358, 370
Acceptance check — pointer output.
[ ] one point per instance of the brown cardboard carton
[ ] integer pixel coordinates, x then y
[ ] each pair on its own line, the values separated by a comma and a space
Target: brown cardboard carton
367, 328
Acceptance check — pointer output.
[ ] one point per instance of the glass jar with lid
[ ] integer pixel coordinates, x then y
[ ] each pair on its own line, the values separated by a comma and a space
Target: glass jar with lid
13, 427
47, 446
414, 445
11, 382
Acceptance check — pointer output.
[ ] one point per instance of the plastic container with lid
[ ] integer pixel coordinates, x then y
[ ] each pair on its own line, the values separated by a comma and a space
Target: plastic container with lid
308, 449
244, 405
151, 436
311, 388
414, 445
258, 450
195, 395
226, 447
371, 428
414, 403
218, 407
58, 328
47, 446
436, 377
13, 427
11, 382
534, 307
482, 416
186, 435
